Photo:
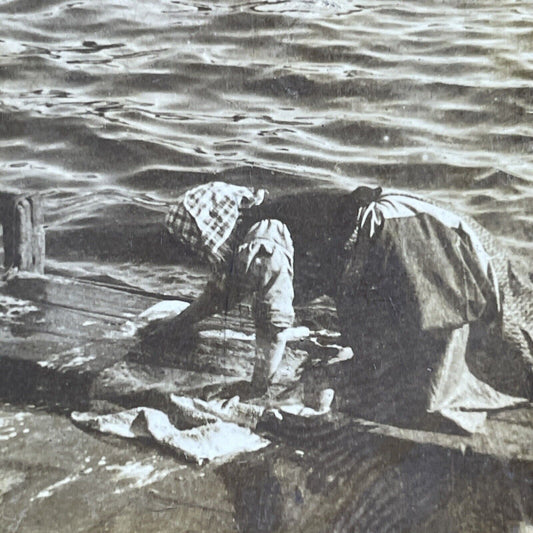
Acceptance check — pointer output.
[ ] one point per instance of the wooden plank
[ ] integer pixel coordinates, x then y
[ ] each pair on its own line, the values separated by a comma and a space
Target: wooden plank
86, 297
78, 334
23, 253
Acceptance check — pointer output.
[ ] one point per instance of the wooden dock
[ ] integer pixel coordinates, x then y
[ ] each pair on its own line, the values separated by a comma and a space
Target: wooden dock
66, 343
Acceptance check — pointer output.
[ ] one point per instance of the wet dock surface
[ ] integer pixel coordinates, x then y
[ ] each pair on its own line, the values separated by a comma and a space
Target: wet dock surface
66, 345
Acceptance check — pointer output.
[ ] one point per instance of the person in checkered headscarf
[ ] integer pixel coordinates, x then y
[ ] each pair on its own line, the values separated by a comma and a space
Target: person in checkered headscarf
257, 260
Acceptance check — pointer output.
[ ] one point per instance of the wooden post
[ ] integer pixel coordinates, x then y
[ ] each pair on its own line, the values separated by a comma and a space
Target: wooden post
21, 216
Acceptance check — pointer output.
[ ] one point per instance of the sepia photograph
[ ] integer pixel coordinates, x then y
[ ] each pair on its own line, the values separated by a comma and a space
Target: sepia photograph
266, 266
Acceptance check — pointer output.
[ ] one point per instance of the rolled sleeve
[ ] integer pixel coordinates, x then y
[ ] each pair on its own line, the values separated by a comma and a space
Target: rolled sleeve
265, 267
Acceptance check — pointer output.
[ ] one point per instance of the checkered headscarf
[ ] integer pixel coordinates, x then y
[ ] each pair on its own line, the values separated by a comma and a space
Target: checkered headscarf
204, 217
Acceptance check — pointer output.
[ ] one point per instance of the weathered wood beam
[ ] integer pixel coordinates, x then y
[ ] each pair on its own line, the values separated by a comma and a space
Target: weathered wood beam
21, 216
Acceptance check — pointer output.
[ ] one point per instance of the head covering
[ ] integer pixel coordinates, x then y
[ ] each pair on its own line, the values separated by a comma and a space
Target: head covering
204, 217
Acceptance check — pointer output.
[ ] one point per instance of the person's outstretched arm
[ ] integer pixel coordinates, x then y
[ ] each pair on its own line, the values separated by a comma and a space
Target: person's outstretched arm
269, 349
169, 334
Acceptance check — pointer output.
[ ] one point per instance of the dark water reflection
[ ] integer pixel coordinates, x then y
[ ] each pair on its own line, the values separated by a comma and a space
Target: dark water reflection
125, 104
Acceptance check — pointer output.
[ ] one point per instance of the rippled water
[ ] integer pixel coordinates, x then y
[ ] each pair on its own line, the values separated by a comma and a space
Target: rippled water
112, 108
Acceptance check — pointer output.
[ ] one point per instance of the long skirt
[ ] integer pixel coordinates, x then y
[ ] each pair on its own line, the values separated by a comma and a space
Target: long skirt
432, 329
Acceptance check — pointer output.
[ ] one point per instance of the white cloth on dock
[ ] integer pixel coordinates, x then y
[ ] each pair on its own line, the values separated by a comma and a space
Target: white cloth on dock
217, 430
196, 411
212, 439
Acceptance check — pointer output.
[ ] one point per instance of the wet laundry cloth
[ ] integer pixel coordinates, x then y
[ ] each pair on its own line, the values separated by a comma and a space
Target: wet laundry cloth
416, 281
217, 430
211, 439
194, 411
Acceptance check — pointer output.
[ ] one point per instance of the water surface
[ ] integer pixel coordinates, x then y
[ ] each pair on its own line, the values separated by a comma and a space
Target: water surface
113, 108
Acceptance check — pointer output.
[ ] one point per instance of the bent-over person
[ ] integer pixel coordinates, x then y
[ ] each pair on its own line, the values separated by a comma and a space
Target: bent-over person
256, 261
424, 295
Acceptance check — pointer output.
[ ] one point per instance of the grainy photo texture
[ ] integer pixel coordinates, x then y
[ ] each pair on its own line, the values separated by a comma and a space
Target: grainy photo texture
266, 266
